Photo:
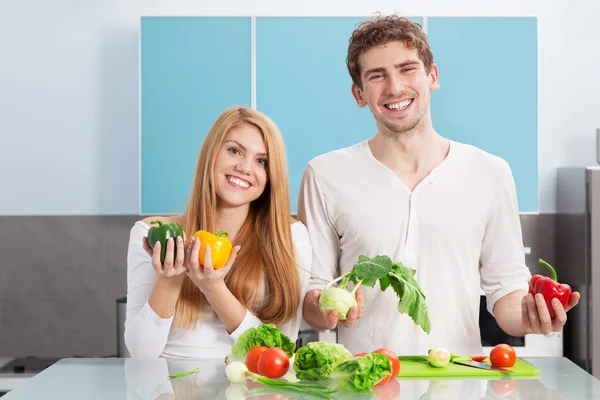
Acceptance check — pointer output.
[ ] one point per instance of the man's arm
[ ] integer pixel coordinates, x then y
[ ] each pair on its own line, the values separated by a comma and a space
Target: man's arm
509, 314
324, 239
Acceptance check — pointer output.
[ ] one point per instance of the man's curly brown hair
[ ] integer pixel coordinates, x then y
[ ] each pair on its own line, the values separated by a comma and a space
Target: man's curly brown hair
382, 30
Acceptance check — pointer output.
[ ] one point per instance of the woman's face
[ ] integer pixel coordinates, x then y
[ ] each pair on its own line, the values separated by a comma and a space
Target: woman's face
241, 167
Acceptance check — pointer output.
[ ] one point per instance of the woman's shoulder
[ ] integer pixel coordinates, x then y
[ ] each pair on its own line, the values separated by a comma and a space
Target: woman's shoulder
299, 231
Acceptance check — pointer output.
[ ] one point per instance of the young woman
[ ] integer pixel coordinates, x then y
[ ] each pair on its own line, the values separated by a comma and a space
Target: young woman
178, 309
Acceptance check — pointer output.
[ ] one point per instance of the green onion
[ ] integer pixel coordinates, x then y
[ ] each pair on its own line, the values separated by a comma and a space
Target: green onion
186, 373
320, 391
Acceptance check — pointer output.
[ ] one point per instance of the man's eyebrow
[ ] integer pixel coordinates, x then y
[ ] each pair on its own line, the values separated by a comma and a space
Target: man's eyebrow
398, 66
244, 147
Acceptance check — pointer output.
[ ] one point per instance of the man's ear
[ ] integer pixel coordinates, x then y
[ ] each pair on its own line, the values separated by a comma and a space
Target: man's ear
434, 78
358, 95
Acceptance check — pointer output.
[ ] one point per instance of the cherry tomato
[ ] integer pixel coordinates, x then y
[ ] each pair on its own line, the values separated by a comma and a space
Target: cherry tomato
360, 354
252, 358
503, 387
389, 391
479, 358
393, 360
273, 363
503, 355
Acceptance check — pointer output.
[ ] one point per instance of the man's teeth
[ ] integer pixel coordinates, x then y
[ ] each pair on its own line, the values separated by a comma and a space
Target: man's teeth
399, 106
238, 181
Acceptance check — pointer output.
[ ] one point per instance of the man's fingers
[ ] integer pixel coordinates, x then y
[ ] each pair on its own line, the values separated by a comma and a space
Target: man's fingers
332, 320
573, 301
543, 314
560, 315
360, 299
532, 312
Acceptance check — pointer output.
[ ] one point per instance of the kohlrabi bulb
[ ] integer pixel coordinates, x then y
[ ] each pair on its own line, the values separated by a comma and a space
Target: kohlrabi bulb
337, 299
439, 357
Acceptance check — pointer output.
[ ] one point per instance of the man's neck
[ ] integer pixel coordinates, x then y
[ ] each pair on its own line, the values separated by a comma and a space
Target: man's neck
411, 155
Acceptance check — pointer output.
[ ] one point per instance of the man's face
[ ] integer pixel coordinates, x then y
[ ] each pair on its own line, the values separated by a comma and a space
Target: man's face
396, 87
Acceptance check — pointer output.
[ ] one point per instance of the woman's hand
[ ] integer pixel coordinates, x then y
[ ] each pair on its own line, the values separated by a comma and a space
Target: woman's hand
174, 262
206, 277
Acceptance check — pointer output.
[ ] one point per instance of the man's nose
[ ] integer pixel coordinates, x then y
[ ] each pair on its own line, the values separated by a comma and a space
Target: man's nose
396, 85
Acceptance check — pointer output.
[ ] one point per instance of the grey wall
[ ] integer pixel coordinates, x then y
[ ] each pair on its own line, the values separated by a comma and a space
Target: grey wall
61, 277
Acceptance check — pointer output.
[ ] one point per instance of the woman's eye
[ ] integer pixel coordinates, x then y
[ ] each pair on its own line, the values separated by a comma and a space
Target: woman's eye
233, 150
263, 162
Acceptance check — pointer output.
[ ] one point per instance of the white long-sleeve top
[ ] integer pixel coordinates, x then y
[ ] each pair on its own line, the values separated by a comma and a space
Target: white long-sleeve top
149, 336
459, 229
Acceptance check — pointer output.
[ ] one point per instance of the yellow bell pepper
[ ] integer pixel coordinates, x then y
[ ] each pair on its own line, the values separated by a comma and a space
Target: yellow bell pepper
220, 247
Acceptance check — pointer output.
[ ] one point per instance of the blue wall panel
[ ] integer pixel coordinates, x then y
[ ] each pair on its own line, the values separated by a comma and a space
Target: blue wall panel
192, 69
488, 91
304, 86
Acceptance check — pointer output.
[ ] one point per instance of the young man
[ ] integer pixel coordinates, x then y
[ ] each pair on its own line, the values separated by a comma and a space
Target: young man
446, 209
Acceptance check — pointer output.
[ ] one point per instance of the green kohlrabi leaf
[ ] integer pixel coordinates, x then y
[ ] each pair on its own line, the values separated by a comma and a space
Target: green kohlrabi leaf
412, 300
360, 374
267, 335
369, 270
316, 360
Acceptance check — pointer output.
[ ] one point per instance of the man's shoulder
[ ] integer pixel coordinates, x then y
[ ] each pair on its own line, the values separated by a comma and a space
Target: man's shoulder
338, 157
478, 160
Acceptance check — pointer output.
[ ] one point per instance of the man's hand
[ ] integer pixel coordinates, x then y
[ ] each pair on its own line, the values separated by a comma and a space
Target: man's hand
535, 317
315, 317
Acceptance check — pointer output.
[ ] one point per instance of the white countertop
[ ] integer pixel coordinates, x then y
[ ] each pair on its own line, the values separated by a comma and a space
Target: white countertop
10, 381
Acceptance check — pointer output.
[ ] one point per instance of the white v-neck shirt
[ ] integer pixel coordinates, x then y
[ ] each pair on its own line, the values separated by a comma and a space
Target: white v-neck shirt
147, 335
459, 229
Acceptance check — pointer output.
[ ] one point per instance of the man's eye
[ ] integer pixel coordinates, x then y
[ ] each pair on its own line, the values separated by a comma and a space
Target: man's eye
378, 76
408, 69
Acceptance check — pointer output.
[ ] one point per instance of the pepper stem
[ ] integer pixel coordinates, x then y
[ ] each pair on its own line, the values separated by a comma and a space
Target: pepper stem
221, 233
157, 221
552, 270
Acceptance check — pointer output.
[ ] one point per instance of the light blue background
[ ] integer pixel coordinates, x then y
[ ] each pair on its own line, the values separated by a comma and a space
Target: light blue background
488, 91
192, 69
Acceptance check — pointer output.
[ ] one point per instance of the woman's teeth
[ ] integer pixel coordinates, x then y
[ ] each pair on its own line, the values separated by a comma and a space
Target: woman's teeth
239, 182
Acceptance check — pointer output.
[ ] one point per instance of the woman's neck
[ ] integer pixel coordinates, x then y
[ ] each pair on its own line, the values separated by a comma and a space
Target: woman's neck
231, 219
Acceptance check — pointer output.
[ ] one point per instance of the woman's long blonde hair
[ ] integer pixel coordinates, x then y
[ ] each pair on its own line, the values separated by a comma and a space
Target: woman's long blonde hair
266, 258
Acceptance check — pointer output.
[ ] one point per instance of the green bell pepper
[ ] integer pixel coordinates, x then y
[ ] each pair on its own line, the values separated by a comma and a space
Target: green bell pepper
162, 233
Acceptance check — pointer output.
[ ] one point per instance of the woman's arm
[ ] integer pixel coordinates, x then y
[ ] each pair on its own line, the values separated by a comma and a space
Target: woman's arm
151, 298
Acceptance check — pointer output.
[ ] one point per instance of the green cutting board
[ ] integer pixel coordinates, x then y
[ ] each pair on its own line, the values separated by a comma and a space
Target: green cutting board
422, 369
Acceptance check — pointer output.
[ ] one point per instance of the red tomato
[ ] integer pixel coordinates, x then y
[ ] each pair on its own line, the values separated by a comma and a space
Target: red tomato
384, 380
360, 354
503, 355
252, 358
393, 360
503, 387
478, 358
389, 391
273, 363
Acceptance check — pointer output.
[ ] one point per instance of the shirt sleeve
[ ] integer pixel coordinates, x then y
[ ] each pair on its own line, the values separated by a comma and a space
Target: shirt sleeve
146, 333
502, 262
324, 239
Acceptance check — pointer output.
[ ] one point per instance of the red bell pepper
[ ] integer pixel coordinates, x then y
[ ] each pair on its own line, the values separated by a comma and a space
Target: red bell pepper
549, 288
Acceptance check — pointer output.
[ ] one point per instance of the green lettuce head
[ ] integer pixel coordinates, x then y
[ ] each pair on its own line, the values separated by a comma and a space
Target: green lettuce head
316, 360
360, 374
267, 335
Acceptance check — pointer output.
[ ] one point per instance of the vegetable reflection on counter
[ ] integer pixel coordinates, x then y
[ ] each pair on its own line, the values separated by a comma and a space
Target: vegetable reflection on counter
369, 271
